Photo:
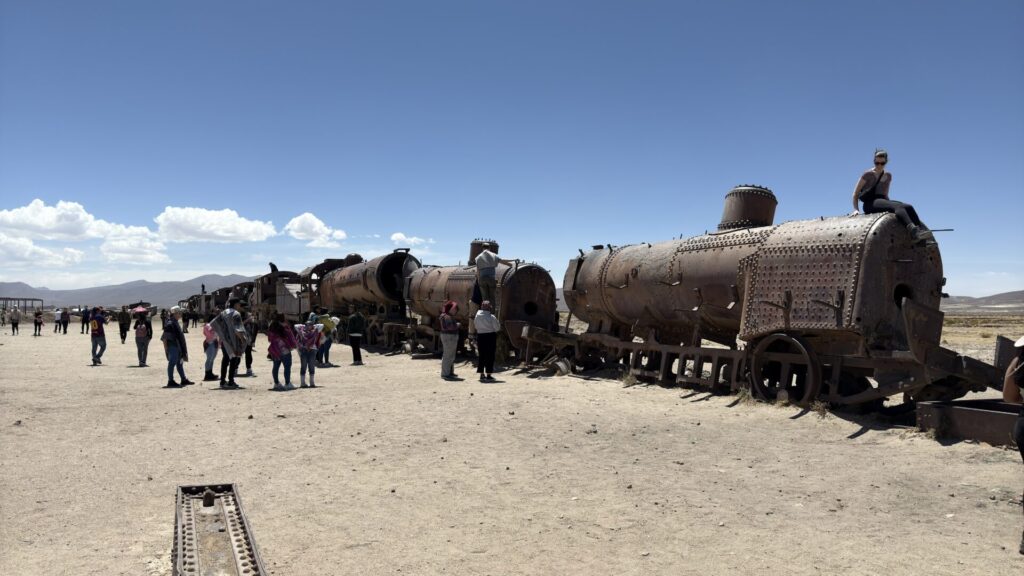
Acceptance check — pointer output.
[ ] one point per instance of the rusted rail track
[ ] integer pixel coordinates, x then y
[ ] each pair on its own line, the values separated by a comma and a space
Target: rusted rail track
212, 536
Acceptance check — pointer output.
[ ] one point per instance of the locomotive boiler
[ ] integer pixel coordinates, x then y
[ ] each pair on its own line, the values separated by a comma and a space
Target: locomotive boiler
802, 310
374, 287
525, 296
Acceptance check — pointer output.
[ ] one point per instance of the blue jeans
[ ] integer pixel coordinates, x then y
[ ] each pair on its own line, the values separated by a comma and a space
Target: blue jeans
307, 360
324, 354
174, 360
98, 343
285, 359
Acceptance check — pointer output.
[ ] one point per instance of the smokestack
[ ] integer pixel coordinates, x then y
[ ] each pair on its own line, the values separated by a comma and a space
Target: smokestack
748, 206
479, 245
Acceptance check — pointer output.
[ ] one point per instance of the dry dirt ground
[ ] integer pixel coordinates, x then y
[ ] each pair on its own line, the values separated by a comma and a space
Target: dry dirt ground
386, 469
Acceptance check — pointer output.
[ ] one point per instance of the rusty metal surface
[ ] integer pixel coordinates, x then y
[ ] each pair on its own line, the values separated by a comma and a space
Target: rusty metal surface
525, 293
212, 536
375, 285
672, 291
748, 206
989, 421
857, 293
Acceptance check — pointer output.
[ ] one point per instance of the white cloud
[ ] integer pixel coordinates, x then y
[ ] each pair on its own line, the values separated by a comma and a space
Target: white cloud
134, 244
309, 228
177, 224
65, 221
18, 252
402, 240
70, 221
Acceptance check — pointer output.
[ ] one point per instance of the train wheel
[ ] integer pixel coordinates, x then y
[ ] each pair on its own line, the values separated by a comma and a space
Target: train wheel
783, 368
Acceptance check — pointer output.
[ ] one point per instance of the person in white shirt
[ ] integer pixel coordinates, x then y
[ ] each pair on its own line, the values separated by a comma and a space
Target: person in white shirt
486, 273
487, 327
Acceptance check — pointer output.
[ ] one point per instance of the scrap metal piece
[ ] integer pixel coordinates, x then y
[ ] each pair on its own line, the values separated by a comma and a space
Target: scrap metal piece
212, 536
981, 420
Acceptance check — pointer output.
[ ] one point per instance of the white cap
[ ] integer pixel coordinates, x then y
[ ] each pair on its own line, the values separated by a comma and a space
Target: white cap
1019, 343
175, 309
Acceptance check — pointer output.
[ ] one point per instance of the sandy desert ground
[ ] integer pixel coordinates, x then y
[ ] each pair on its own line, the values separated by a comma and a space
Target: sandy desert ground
386, 469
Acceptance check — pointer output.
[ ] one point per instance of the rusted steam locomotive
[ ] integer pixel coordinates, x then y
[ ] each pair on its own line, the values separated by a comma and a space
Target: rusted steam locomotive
805, 310
401, 298
525, 296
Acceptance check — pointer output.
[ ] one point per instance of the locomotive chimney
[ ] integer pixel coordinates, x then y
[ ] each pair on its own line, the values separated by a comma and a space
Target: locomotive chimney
748, 206
479, 245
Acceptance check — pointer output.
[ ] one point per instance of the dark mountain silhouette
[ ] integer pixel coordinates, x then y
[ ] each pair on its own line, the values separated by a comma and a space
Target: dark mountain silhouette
159, 293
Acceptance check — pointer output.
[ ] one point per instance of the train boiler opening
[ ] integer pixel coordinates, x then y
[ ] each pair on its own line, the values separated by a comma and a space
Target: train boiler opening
900, 292
392, 272
528, 295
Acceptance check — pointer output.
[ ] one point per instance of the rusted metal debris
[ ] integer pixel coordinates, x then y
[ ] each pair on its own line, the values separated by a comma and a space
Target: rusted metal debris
988, 421
212, 536
819, 306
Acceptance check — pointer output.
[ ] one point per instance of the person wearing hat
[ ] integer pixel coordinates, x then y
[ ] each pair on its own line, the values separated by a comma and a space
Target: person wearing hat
175, 348
449, 339
233, 339
873, 190
1013, 384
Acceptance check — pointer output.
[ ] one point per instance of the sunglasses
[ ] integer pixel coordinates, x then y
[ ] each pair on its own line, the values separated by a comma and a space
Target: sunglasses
880, 163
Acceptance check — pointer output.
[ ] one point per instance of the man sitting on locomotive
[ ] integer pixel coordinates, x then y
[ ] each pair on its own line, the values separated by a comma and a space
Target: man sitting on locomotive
873, 190
1013, 384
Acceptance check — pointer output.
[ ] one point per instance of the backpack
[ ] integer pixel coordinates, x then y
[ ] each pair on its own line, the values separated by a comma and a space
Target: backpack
141, 331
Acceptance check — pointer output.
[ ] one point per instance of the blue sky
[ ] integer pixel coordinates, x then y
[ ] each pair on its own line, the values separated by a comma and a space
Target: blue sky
163, 140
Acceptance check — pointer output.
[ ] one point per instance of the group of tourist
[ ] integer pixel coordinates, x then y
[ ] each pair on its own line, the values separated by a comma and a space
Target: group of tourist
231, 333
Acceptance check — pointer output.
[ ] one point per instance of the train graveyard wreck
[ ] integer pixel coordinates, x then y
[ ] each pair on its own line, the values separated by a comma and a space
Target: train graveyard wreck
804, 311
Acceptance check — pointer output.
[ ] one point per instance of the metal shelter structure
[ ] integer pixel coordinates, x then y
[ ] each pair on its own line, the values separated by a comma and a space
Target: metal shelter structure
9, 302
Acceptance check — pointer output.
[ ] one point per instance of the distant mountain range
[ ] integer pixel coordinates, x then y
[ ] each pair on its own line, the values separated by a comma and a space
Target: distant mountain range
997, 303
163, 294
169, 293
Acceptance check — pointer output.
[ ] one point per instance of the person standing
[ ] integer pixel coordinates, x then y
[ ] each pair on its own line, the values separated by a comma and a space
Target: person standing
99, 338
308, 336
15, 320
143, 335
251, 330
210, 346
356, 326
56, 320
1013, 385
323, 353
449, 339
3, 317
486, 272
37, 323
282, 341
124, 322
175, 348
873, 190
487, 327
232, 336
85, 319
65, 319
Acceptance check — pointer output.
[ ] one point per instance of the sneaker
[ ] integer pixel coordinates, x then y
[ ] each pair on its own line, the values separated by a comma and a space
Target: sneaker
187, 382
249, 374
173, 384
303, 385
210, 376
289, 387
279, 388
311, 385
98, 361
233, 384
95, 362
